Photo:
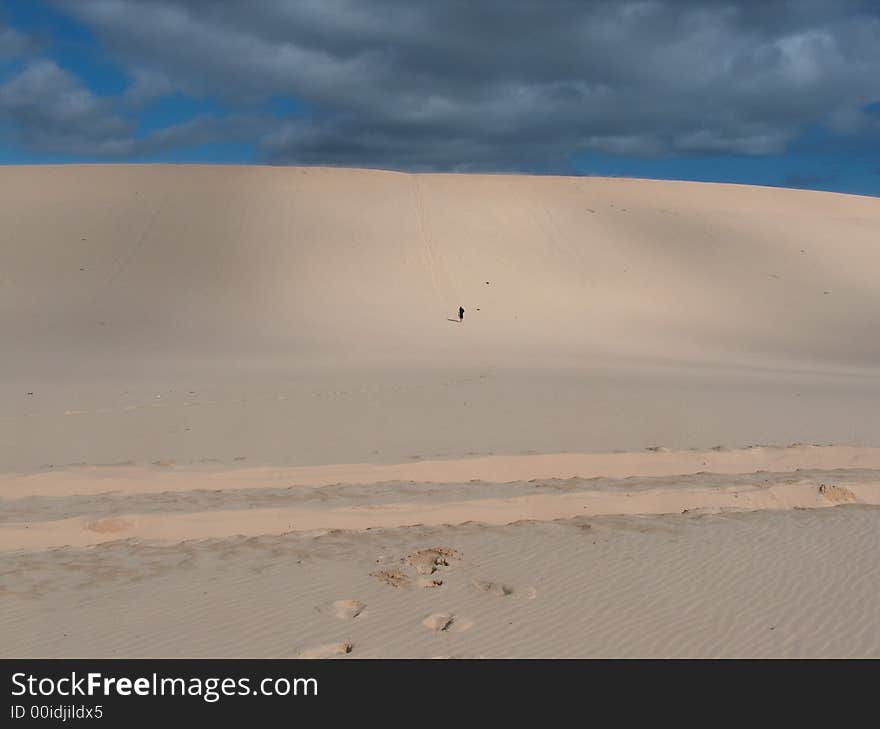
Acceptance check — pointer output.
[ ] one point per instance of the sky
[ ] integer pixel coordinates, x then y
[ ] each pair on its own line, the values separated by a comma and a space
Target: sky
780, 93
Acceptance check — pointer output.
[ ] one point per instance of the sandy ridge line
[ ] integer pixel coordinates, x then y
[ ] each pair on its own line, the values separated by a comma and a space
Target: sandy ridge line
495, 469
82, 532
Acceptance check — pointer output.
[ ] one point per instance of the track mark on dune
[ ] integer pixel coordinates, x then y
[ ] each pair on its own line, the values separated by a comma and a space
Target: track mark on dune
837, 494
124, 261
436, 267
432, 263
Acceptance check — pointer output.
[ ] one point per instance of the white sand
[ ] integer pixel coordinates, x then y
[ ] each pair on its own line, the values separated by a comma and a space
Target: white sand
226, 392
766, 583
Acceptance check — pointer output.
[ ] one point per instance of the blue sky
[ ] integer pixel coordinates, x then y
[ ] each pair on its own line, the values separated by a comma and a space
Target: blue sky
782, 93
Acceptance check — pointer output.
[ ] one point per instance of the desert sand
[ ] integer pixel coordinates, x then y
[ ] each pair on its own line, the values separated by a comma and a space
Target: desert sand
239, 417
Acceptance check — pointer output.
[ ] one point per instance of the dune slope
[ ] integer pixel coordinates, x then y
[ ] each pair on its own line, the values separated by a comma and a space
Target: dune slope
311, 262
296, 316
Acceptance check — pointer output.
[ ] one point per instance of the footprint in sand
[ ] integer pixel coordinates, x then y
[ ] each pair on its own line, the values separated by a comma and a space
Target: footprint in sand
493, 588
428, 582
447, 623
428, 561
425, 562
504, 590
393, 577
347, 609
439, 622
837, 494
328, 650
398, 578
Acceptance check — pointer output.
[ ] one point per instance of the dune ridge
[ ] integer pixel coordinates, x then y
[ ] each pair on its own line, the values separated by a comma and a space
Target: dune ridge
124, 478
79, 532
781, 478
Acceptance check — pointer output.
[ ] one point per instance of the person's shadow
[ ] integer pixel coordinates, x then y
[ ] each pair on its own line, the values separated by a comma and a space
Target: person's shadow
457, 321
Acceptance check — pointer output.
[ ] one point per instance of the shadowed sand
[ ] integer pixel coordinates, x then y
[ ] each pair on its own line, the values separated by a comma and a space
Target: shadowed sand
234, 419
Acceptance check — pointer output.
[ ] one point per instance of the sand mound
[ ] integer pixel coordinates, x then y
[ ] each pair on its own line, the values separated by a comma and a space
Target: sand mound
275, 316
837, 494
314, 261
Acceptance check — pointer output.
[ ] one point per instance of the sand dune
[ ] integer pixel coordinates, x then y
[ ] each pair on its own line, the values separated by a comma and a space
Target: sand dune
240, 262
299, 316
238, 417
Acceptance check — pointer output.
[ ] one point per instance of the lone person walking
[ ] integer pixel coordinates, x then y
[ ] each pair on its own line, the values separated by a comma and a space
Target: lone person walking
461, 313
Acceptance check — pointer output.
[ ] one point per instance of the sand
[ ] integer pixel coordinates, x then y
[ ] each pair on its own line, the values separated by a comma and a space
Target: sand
238, 416
763, 583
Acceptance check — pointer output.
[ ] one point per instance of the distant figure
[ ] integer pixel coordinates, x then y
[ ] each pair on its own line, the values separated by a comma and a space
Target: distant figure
461, 313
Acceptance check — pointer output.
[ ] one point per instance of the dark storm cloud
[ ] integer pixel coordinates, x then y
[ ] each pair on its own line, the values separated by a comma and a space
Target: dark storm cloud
420, 84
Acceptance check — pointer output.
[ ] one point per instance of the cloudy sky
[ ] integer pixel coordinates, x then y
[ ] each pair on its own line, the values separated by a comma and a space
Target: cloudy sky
771, 93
